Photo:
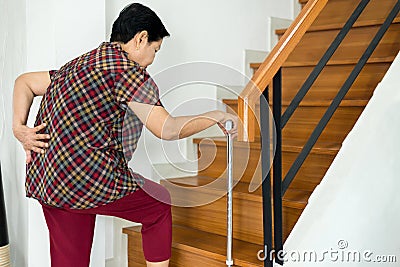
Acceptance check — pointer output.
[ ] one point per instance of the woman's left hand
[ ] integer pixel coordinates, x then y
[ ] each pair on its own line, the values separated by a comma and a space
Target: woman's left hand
31, 140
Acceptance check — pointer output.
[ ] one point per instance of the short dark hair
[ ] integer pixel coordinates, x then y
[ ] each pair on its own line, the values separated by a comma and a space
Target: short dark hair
135, 18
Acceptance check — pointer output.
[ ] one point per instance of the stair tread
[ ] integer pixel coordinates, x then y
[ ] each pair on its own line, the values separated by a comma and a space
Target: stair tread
294, 198
288, 145
209, 245
389, 59
337, 26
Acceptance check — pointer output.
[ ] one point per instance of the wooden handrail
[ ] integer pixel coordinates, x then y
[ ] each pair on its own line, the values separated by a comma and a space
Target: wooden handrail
274, 61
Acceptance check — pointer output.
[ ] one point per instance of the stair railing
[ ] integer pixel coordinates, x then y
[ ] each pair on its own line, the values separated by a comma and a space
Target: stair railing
250, 96
269, 71
265, 73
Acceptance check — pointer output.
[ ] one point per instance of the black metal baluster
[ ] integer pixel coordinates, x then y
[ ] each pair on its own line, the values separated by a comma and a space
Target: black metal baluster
277, 164
266, 177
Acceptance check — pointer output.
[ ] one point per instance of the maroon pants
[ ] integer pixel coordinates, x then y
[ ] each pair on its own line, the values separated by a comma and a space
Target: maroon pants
71, 231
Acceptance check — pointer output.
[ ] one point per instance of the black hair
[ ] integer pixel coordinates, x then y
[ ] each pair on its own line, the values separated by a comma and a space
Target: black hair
135, 18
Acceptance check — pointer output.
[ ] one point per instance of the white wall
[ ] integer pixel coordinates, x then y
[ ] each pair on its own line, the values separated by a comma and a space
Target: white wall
58, 31
216, 31
12, 63
356, 206
39, 35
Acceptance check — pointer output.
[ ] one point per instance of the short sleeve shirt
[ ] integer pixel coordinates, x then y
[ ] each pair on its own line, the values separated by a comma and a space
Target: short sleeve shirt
93, 133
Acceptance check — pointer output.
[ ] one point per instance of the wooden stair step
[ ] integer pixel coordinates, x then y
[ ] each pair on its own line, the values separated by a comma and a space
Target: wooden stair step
331, 80
289, 145
340, 62
247, 167
323, 148
337, 62
313, 45
191, 247
309, 113
294, 198
336, 26
208, 184
338, 11
211, 217
305, 119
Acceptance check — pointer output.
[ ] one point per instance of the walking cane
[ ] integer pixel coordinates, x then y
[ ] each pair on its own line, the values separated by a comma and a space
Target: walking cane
4, 242
229, 259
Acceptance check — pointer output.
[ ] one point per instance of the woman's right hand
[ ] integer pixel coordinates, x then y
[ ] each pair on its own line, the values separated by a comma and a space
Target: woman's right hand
31, 140
229, 117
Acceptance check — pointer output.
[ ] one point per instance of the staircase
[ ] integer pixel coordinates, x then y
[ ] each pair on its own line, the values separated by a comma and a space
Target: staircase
199, 232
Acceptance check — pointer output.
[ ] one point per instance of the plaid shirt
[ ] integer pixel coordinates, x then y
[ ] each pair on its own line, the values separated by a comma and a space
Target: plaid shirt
92, 136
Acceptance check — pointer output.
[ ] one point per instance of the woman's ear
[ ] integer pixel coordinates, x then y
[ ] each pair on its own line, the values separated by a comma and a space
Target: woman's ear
140, 38
143, 37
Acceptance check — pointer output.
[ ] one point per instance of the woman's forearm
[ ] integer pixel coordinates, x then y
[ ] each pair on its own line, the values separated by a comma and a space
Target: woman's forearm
165, 126
184, 126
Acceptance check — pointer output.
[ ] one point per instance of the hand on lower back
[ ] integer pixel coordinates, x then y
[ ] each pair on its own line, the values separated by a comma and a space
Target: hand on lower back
31, 140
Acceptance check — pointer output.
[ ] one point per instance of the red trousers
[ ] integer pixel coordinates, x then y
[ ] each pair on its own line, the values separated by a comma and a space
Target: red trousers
71, 231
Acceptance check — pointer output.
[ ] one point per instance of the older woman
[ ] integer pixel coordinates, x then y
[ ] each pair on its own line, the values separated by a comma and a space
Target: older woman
77, 165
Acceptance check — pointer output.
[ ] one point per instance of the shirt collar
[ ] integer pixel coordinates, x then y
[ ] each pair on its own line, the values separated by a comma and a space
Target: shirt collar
125, 54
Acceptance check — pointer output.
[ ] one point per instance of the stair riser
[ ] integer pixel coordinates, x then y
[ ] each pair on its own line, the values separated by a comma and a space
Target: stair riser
312, 171
290, 218
331, 80
212, 161
247, 219
308, 177
135, 249
338, 11
180, 258
314, 44
305, 119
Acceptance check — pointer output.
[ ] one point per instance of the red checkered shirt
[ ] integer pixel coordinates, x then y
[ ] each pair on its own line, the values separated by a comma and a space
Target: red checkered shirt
92, 136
